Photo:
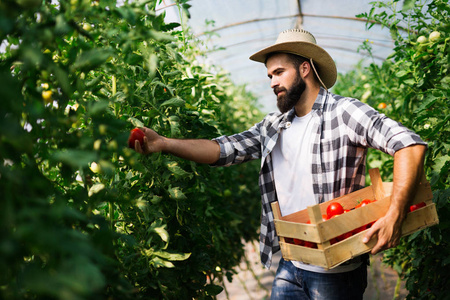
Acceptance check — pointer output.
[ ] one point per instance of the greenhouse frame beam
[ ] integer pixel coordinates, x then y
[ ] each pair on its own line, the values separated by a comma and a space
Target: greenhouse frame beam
293, 16
299, 23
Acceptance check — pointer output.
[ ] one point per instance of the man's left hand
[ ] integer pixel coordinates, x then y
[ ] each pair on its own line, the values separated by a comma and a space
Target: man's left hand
388, 231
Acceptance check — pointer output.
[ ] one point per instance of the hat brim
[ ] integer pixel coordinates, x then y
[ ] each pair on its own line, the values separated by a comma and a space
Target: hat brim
322, 60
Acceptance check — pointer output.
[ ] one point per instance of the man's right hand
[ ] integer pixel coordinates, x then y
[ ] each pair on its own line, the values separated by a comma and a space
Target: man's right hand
153, 142
197, 150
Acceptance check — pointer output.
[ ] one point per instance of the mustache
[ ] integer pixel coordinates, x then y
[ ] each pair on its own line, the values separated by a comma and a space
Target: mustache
278, 89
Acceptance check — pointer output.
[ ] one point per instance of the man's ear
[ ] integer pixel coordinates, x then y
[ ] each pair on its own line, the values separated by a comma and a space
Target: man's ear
305, 69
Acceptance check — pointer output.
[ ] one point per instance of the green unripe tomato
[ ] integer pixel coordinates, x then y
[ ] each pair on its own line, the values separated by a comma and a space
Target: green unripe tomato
103, 129
87, 27
422, 39
227, 193
434, 36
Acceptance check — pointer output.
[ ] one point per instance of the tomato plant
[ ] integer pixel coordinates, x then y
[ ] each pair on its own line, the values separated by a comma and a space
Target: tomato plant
85, 217
414, 83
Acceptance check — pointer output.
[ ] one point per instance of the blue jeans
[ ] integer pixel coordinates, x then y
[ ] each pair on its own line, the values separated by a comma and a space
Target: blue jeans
293, 283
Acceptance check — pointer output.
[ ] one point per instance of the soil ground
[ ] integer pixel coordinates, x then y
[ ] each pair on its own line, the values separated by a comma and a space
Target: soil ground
254, 282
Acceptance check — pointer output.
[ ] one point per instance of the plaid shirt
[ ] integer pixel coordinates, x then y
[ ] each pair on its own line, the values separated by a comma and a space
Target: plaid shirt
344, 128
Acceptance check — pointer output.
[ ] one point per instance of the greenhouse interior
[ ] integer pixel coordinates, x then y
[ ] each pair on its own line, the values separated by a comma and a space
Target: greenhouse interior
144, 155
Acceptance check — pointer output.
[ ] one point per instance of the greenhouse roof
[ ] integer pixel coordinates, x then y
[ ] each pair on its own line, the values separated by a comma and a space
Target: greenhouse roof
242, 28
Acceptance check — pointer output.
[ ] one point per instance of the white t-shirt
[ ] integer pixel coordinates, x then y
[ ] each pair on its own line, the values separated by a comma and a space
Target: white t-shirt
291, 158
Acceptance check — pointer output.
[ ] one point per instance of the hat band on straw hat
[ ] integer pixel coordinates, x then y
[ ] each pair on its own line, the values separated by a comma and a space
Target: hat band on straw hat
301, 42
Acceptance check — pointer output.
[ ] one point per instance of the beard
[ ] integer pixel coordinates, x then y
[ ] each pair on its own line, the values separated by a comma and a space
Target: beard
291, 96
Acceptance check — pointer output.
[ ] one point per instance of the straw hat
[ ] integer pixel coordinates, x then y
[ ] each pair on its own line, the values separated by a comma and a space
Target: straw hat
303, 43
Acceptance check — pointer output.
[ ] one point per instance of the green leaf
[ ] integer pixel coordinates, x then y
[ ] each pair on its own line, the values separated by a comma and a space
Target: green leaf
160, 36
402, 73
172, 256
96, 188
61, 26
213, 289
176, 170
177, 102
177, 194
427, 103
97, 107
174, 125
410, 82
441, 162
158, 262
161, 231
63, 79
74, 158
408, 4
151, 63
136, 122
91, 59
445, 262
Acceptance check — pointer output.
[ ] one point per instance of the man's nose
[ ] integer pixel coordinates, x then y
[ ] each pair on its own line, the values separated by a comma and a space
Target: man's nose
274, 82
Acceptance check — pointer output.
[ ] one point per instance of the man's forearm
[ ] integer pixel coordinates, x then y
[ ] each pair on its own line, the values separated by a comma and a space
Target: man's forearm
197, 150
408, 169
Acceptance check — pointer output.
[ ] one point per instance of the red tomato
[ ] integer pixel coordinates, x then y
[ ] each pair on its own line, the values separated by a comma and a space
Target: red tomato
334, 241
289, 240
310, 244
299, 242
344, 236
334, 209
325, 217
364, 203
417, 206
135, 134
359, 229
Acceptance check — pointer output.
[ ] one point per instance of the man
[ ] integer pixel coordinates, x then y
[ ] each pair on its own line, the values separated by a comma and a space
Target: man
312, 151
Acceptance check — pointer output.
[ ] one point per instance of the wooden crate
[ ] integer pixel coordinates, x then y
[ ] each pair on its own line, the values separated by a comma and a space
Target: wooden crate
329, 255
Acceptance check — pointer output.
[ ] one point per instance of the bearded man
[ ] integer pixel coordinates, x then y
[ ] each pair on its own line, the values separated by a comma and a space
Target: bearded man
312, 151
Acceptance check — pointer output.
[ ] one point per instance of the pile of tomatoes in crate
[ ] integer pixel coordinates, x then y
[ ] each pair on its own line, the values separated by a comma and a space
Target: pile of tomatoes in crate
334, 209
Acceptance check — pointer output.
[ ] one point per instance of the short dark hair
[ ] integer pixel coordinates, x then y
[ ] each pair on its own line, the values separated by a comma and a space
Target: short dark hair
296, 60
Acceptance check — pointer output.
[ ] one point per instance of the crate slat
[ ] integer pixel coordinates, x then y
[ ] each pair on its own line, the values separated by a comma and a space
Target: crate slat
306, 255
306, 232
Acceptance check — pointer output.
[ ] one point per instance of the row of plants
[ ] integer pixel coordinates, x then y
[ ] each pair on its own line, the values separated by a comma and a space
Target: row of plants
82, 215
412, 86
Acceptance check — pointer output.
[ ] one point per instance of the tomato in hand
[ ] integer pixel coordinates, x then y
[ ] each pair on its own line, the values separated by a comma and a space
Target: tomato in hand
334, 209
135, 134
417, 206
